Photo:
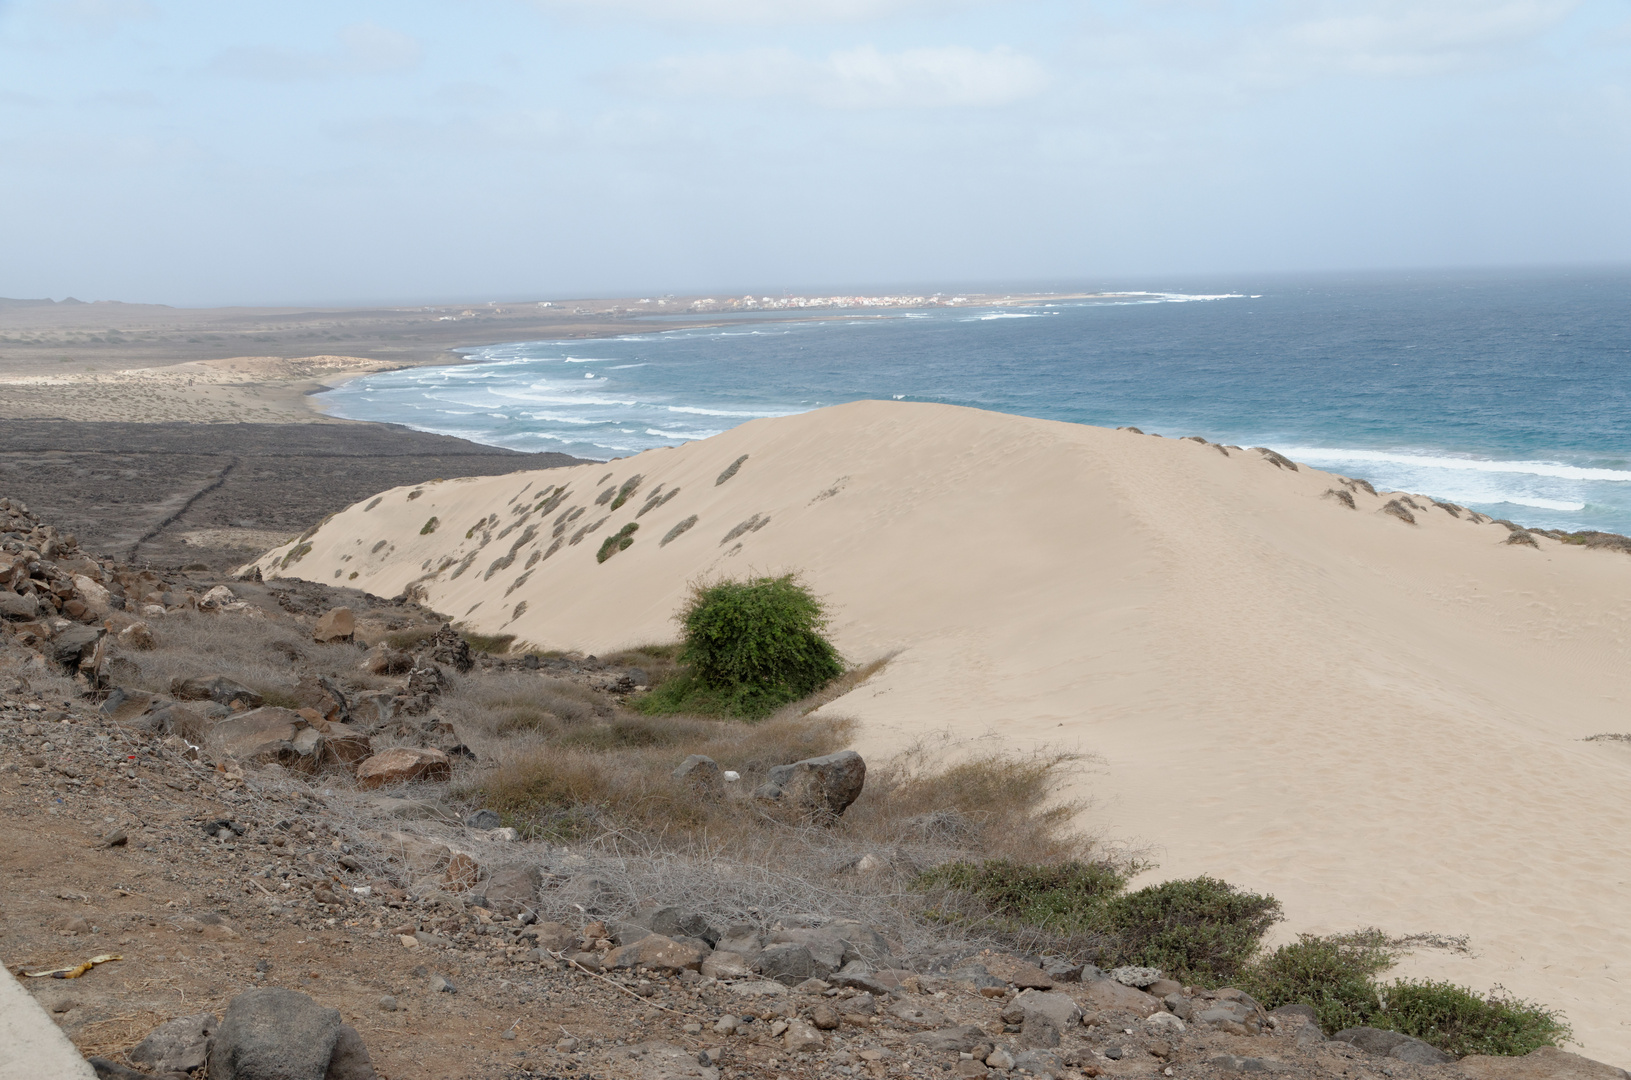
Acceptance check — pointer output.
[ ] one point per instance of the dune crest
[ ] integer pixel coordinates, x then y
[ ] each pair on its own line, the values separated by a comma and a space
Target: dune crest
1371, 705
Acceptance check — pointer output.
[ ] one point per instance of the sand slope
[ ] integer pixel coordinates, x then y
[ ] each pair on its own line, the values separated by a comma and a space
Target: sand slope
1378, 722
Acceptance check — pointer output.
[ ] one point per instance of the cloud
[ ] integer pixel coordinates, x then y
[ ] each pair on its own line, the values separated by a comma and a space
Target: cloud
760, 12
1406, 37
363, 49
100, 14
863, 78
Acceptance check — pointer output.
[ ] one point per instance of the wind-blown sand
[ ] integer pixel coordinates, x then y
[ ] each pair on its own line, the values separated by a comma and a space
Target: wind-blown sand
1380, 723
240, 389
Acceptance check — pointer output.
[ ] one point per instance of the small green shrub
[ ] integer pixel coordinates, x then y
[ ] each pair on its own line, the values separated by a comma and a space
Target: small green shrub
1458, 1021
618, 541
749, 647
1333, 975
1062, 897
629, 487
1200, 930
429, 527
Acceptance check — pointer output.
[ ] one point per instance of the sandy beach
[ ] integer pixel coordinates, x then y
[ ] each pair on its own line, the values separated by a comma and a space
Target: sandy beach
1381, 721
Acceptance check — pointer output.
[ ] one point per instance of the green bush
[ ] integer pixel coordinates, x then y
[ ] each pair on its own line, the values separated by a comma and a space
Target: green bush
749, 648
1458, 1021
618, 541
1333, 975
1200, 930
1061, 897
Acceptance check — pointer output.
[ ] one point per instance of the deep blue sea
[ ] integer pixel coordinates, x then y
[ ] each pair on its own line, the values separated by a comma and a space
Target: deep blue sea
1508, 392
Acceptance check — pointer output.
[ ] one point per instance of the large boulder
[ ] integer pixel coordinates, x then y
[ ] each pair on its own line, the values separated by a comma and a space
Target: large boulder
676, 922
19, 607
319, 693
1110, 996
73, 645
336, 624
513, 889
277, 1034
267, 735
216, 688
821, 785
655, 953
1392, 1044
181, 1045
1547, 1063
402, 764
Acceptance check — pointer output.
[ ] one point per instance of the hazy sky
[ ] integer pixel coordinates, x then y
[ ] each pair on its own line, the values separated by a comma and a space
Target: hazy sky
190, 152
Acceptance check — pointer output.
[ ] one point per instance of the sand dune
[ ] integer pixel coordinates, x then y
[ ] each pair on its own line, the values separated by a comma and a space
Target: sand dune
240, 389
1379, 722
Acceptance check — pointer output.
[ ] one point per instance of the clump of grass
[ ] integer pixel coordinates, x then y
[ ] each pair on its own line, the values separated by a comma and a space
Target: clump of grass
1052, 897
1199, 930
1460, 1022
492, 644
730, 470
630, 486
749, 648
618, 541
1337, 977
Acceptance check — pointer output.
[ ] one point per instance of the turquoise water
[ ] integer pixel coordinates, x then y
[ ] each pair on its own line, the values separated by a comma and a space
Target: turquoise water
1505, 392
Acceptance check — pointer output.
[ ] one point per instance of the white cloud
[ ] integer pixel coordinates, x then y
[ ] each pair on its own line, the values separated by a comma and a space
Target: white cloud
363, 49
862, 78
100, 14
760, 12
1408, 37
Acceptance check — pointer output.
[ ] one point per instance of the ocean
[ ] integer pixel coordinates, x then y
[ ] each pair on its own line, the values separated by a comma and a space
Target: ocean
1506, 392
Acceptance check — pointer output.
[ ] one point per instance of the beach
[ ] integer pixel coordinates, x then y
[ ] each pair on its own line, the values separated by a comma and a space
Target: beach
1378, 714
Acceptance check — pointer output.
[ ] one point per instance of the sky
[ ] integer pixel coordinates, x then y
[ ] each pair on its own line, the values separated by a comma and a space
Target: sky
202, 153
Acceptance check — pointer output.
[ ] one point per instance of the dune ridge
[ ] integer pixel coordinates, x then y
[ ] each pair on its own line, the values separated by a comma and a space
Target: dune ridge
1376, 712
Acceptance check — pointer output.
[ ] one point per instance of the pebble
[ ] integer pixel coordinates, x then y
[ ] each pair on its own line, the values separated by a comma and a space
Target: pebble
439, 985
388, 1003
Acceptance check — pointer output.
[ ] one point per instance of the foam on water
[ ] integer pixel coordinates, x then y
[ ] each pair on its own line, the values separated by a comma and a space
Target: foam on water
1504, 393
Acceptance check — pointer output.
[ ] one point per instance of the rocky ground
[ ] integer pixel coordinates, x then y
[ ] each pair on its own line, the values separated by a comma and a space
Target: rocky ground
219, 494
216, 843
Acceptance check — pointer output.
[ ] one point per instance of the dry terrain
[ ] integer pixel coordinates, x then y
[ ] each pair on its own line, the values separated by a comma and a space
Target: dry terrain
1379, 709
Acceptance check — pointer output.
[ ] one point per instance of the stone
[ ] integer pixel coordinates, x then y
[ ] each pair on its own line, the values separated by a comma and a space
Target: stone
1184, 1009
181, 1045
402, 764
741, 938
676, 922
73, 645
1018, 973
94, 596
336, 624
1162, 987
18, 607
1139, 977
319, 693
274, 1034
1000, 1059
726, 965
215, 599
656, 953
441, 985
384, 660
448, 647
553, 936
1163, 1023
350, 1059
511, 890
823, 1016
1392, 1044
726, 1024
267, 735
800, 1037
216, 688
790, 963
1547, 1063
1107, 995
952, 1040
824, 785
483, 819
759, 988
1057, 1009
701, 776
124, 706
345, 749
917, 1015
138, 636
387, 1003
